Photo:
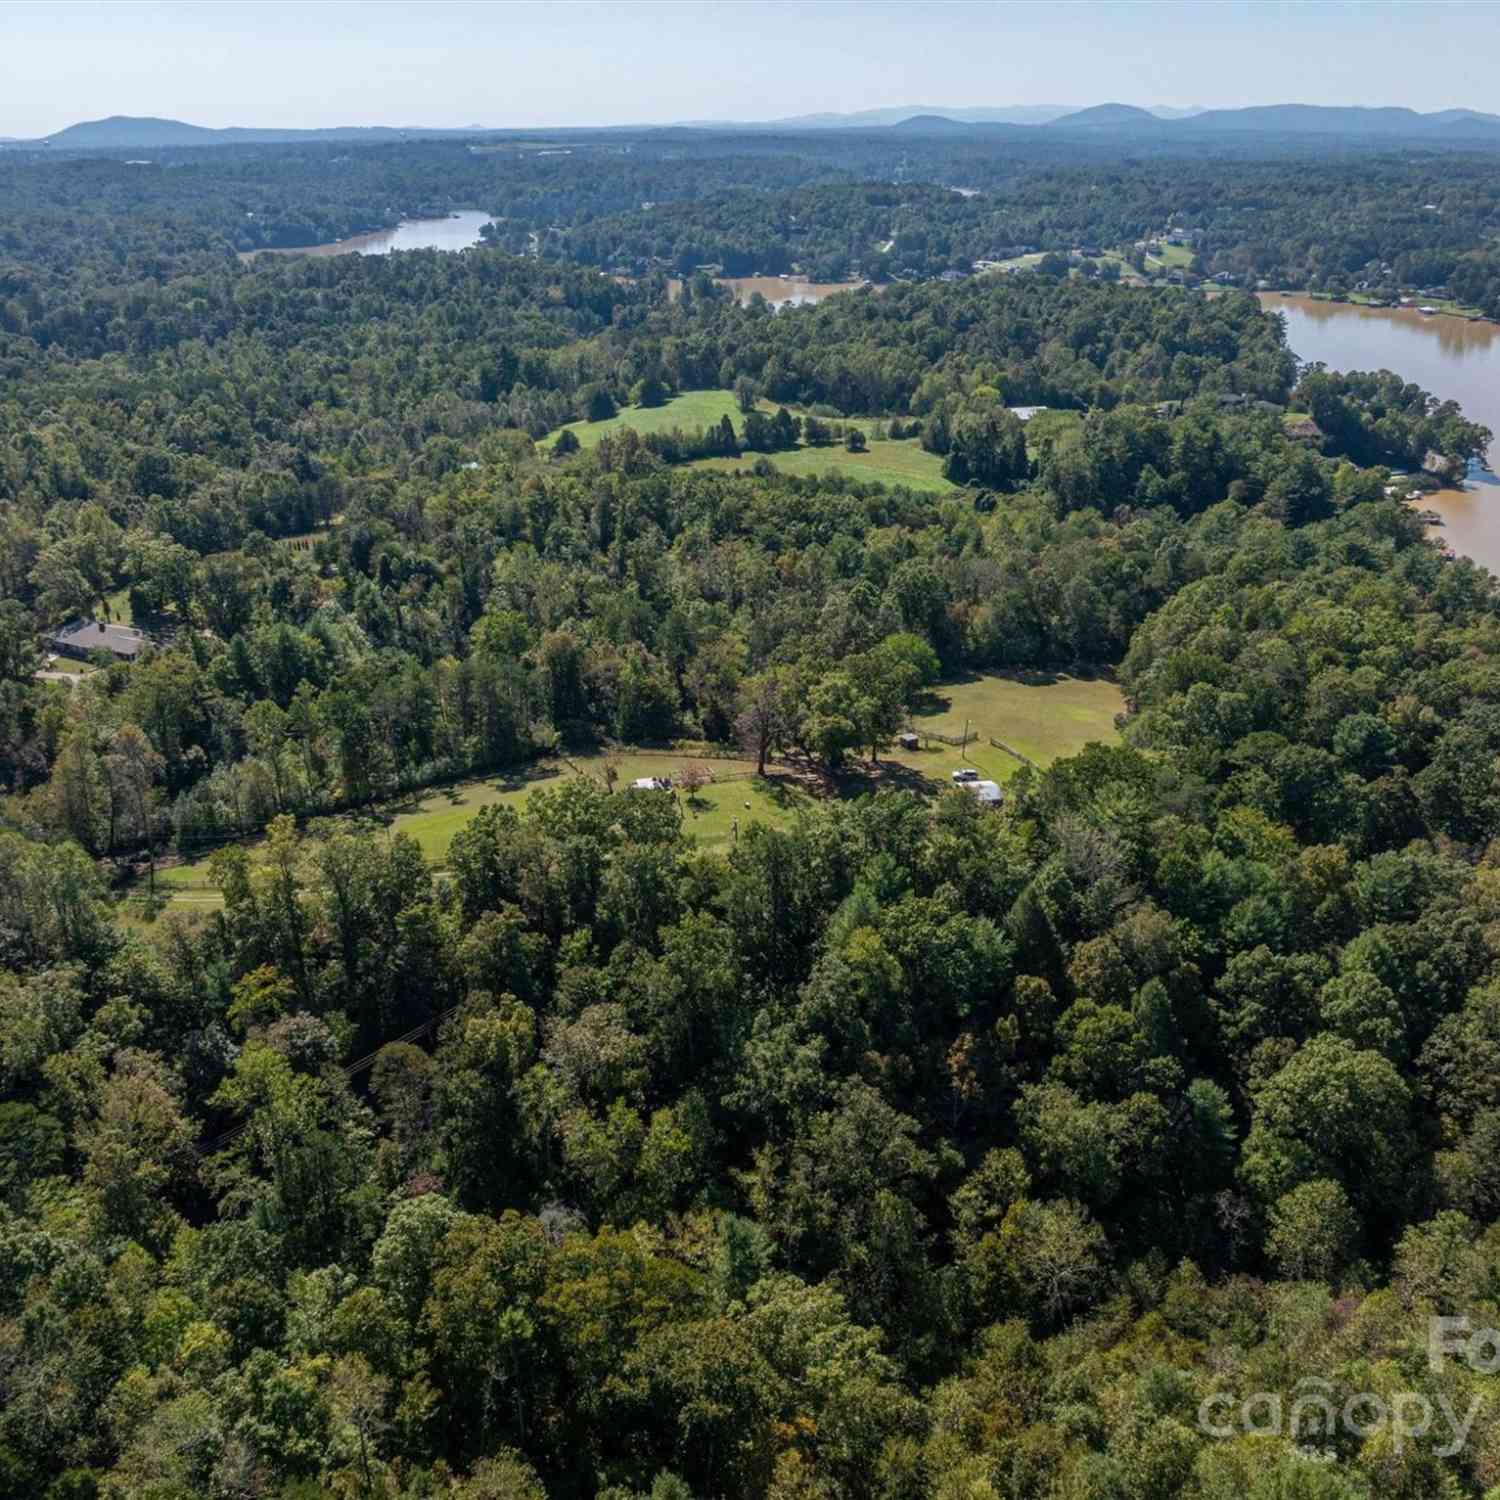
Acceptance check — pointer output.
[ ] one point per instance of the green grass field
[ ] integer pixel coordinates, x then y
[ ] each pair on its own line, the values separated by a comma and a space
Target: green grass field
1017, 263
434, 816
1178, 257
689, 411
902, 463
439, 814
1041, 716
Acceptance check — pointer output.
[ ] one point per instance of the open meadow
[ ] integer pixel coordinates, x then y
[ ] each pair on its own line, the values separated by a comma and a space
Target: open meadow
904, 462
1040, 717
689, 411
891, 463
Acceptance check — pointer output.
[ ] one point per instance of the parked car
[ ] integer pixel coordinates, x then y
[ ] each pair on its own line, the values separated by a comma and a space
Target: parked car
967, 773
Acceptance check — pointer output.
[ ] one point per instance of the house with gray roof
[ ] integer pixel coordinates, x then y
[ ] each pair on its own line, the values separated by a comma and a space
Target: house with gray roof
82, 638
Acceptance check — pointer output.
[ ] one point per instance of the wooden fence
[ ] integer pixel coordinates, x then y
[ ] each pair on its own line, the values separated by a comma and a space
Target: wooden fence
958, 740
1015, 754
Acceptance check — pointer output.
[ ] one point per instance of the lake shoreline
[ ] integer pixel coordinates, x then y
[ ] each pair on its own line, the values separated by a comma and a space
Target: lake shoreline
1323, 299
383, 241
1456, 358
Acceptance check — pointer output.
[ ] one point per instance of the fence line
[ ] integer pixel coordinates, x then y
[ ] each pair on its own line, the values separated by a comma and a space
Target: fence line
1024, 759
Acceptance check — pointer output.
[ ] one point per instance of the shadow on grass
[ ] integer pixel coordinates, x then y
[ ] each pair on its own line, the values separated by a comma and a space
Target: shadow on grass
519, 780
930, 703
861, 778
782, 792
935, 700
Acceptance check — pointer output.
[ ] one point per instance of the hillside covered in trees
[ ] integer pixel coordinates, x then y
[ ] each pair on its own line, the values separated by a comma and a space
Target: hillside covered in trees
1298, 211
905, 1147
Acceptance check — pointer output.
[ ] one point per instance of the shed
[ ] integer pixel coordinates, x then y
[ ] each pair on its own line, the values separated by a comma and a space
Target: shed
908, 741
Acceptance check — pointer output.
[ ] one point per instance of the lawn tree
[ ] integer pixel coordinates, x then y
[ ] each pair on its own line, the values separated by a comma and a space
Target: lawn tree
768, 713
649, 390
609, 766
692, 778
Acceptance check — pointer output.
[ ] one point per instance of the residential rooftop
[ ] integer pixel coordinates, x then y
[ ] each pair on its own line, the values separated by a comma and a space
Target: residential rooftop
82, 637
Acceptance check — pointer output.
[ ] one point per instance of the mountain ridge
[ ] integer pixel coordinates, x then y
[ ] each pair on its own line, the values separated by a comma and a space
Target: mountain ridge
1105, 116
127, 132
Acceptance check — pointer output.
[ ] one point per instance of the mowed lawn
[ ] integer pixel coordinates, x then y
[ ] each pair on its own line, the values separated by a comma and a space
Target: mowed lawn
689, 411
1178, 257
1042, 716
431, 817
892, 463
735, 796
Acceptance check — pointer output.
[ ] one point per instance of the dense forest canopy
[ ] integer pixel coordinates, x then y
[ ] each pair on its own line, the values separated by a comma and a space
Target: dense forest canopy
901, 1147
874, 203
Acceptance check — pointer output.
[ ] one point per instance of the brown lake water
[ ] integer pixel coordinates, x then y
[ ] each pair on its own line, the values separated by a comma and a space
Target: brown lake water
455, 232
1453, 358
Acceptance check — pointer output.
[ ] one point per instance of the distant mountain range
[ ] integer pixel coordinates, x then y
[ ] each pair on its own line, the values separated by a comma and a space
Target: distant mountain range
867, 119
129, 132
1283, 119
124, 132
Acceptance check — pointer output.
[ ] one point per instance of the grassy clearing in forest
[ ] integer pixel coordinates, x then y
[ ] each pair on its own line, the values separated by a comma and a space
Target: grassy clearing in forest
892, 463
432, 817
1040, 715
689, 411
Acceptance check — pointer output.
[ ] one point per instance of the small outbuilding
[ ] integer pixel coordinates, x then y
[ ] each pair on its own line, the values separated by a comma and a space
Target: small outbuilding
987, 793
908, 741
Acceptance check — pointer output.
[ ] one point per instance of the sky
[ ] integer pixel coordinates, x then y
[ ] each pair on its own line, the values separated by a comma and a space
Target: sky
443, 63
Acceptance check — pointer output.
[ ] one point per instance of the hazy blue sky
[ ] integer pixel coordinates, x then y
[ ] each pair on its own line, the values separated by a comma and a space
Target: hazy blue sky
436, 62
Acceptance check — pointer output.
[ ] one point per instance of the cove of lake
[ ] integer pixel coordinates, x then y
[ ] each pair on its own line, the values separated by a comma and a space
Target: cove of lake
1454, 358
456, 231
